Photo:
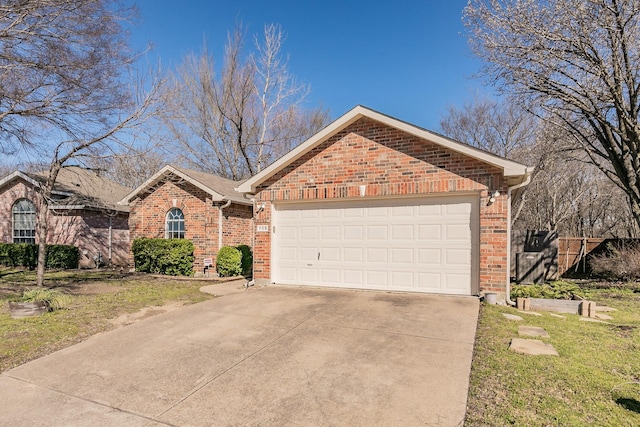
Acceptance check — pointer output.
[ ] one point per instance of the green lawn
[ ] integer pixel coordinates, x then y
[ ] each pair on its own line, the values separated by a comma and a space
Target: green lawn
97, 297
595, 381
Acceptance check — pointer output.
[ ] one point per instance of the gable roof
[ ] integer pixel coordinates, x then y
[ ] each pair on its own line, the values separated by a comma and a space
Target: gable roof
220, 189
513, 171
76, 188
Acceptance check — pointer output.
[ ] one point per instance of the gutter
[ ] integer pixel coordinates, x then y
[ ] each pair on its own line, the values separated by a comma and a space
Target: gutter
226, 205
508, 299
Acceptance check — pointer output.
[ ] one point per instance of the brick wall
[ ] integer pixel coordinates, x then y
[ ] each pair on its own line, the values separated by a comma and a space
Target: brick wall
390, 163
86, 229
148, 214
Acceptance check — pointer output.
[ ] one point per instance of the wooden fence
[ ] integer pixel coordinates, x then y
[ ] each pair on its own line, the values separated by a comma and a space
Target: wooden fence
572, 254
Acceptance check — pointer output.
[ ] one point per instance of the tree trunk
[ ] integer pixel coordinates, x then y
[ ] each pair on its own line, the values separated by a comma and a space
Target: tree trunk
43, 217
43, 213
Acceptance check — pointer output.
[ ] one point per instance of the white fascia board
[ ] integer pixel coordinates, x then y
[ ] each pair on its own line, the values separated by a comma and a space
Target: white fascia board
510, 168
158, 176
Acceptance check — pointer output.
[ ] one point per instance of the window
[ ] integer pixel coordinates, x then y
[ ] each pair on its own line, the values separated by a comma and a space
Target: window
24, 222
174, 226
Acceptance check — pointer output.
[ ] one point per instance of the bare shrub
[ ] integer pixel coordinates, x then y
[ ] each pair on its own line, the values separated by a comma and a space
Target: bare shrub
621, 264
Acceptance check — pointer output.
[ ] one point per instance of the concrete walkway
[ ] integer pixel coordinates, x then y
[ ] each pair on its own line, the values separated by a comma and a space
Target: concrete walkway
265, 356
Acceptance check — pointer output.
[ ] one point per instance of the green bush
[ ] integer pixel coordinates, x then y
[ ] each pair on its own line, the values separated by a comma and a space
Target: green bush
229, 262
173, 257
553, 290
26, 255
62, 256
19, 255
247, 259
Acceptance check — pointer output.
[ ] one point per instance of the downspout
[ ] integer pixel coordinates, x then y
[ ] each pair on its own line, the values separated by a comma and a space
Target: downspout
226, 205
508, 299
110, 236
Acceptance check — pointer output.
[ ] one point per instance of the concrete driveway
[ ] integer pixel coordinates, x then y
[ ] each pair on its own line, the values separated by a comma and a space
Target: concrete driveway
267, 356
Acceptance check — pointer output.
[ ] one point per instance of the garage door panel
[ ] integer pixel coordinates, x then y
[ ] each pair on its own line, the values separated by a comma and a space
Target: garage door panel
331, 254
353, 278
402, 211
308, 233
309, 275
457, 258
377, 232
430, 257
353, 232
288, 233
402, 279
402, 255
330, 276
308, 254
433, 210
423, 245
377, 278
377, 255
457, 232
331, 232
460, 209
402, 232
289, 254
431, 232
289, 274
353, 254
354, 213
457, 282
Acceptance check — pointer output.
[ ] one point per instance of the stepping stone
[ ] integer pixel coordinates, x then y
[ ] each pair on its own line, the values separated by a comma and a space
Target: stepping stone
512, 316
603, 316
533, 347
589, 319
559, 316
531, 313
605, 309
532, 331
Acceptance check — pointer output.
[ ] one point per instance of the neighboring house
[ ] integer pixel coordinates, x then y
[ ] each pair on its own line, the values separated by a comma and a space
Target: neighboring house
182, 203
83, 212
374, 202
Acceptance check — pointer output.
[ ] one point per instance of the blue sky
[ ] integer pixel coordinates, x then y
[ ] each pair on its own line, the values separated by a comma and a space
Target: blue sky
407, 59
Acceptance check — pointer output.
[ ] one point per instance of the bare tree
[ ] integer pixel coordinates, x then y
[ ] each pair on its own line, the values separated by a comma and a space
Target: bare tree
64, 87
501, 128
238, 122
566, 194
577, 61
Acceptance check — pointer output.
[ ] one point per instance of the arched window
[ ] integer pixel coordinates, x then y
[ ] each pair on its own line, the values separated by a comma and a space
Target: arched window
174, 225
24, 221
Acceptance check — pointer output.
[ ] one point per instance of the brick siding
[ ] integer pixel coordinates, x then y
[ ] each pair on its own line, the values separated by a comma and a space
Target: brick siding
86, 229
390, 163
148, 214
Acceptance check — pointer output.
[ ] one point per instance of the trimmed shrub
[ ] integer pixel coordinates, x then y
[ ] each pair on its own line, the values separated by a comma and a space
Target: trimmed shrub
62, 256
247, 259
173, 257
19, 255
229, 261
26, 255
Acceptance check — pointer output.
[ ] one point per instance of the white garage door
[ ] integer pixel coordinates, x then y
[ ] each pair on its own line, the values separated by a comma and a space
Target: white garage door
419, 245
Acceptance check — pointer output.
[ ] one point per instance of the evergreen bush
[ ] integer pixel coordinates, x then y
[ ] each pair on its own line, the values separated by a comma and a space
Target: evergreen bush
173, 257
247, 259
229, 262
26, 255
